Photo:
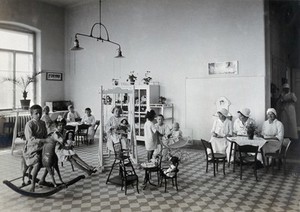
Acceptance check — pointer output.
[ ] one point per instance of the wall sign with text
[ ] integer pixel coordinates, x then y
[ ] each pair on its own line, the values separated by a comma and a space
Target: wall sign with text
54, 76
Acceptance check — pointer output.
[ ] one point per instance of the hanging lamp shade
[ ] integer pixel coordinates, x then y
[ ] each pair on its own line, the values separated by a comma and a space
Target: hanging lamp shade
119, 54
76, 46
98, 37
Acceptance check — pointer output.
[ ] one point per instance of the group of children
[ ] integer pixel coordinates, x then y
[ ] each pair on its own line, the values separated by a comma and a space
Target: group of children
72, 116
36, 131
158, 134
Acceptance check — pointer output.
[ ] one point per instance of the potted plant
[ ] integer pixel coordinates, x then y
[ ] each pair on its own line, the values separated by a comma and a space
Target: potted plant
131, 78
23, 83
162, 100
147, 78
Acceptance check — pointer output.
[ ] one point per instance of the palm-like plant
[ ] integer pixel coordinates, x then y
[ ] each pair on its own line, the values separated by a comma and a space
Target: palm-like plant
23, 82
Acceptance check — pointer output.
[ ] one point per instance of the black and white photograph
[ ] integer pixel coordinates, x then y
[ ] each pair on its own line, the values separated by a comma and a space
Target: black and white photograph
150, 105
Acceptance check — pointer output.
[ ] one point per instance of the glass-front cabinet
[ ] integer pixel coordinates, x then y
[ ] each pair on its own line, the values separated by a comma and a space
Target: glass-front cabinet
146, 98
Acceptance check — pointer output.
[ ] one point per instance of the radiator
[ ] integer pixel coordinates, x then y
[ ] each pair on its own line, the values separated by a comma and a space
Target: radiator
22, 120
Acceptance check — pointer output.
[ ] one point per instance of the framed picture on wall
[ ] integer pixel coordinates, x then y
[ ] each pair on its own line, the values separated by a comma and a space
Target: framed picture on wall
230, 67
54, 76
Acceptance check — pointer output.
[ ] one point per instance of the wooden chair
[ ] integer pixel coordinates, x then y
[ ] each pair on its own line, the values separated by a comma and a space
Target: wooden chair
158, 168
280, 155
126, 174
245, 158
213, 157
129, 176
97, 123
82, 134
173, 176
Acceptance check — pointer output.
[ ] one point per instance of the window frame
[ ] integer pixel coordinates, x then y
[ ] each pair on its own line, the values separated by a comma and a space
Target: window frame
15, 52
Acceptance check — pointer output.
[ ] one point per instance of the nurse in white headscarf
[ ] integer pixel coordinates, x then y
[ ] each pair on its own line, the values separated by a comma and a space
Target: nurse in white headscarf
287, 113
273, 131
222, 128
242, 122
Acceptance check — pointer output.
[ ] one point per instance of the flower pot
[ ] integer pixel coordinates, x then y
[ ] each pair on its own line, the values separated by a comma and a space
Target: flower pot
132, 82
250, 135
25, 103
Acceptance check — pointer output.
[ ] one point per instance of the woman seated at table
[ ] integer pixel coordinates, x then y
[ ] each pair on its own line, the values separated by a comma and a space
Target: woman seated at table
272, 130
241, 123
222, 128
72, 115
112, 128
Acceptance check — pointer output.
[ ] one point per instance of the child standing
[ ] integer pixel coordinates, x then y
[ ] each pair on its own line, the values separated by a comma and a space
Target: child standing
163, 131
90, 120
150, 134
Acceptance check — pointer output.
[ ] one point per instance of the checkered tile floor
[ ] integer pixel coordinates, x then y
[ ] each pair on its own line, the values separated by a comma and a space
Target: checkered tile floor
198, 191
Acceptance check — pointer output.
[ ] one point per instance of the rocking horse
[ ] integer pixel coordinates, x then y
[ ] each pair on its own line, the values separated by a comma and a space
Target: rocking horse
48, 160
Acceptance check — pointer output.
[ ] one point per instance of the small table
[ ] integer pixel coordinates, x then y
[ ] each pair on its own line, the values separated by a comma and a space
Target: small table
74, 124
244, 140
148, 167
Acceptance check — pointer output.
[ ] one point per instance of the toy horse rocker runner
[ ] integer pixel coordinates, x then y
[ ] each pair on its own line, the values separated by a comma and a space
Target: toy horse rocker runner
48, 160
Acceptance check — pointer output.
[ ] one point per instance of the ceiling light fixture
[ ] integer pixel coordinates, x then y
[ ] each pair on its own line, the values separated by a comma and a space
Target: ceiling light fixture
77, 47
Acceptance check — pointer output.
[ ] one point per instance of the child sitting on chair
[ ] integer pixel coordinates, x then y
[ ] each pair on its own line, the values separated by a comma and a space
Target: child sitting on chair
175, 135
65, 152
72, 115
171, 171
90, 120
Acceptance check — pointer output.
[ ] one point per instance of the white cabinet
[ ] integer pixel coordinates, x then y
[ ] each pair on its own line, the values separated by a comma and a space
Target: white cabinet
146, 98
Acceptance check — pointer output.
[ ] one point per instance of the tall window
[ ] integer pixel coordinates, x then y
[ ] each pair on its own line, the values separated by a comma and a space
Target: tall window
16, 60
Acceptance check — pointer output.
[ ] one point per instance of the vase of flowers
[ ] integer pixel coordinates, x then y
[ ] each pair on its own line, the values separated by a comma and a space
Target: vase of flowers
131, 78
251, 130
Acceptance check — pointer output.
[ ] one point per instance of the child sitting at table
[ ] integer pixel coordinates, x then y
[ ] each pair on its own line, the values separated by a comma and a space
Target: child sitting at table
90, 120
72, 115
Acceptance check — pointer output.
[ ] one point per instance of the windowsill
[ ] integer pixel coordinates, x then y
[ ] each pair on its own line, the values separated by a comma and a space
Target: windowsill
13, 112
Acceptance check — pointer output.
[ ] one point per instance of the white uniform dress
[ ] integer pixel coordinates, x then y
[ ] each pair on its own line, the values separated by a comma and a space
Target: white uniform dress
110, 129
150, 136
288, 115
220, 145
90, 120
241, 129
272, 130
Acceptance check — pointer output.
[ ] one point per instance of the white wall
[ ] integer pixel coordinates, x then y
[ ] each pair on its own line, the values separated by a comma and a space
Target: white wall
48, 22
173, 39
